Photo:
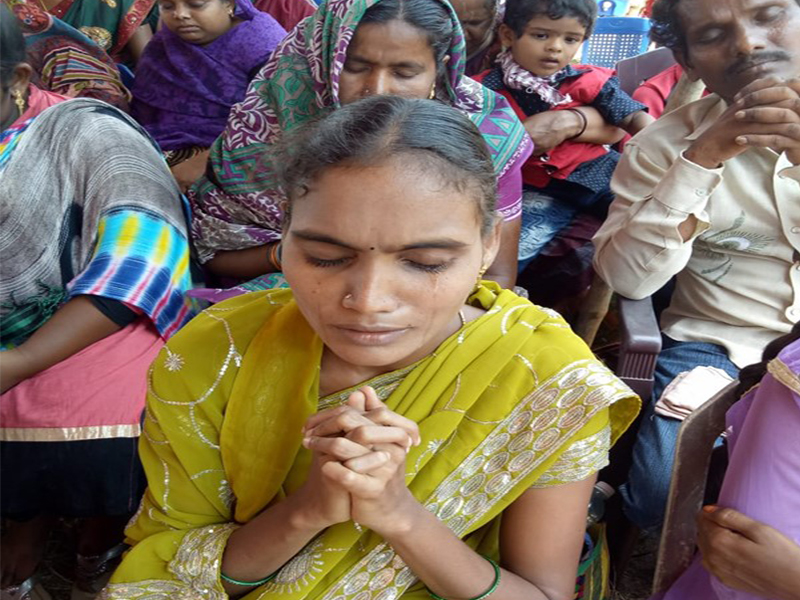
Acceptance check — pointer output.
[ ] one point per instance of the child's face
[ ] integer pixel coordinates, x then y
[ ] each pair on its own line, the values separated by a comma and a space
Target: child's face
547, 45
197, 21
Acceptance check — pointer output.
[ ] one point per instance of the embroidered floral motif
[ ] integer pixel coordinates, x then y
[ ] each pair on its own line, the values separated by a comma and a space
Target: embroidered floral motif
173, 362
300, 570
196, 566
580, 460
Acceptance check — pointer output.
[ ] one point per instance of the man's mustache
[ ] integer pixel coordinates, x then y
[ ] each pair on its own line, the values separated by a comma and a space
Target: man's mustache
753, 60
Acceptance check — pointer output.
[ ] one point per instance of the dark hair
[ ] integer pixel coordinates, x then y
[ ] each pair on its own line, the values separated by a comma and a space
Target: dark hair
430, 16
665, 28
520, 12
752, 374
12, 45
366, 132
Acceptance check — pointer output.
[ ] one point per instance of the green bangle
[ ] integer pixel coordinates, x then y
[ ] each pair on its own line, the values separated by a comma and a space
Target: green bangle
266, 579
488, 592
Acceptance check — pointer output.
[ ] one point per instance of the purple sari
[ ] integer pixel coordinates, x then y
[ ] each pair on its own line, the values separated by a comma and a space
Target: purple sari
184, 92
763, 476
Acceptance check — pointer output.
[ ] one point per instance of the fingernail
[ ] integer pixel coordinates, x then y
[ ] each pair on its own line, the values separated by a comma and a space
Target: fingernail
709, 508
740, 114
741, 140
306, 442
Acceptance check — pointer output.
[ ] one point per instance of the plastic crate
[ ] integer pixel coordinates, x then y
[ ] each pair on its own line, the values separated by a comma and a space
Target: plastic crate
615, 38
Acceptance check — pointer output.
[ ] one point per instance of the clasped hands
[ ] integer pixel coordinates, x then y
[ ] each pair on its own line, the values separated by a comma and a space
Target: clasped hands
358, 468
764, 114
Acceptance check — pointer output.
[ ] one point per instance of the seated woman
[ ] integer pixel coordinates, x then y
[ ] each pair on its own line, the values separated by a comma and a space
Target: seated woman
750, 542
361, 434
345, 51
95, 266
65, 61
195, 68
120, 27
479, 19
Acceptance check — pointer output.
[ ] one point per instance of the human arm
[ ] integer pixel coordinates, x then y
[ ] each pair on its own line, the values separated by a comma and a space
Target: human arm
244, 264
190, 170
139, 40
635, 122
748, 555
550, 128
658, 211
73, 327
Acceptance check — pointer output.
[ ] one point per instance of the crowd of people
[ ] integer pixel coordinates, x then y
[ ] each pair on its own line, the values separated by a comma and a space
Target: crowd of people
260, 329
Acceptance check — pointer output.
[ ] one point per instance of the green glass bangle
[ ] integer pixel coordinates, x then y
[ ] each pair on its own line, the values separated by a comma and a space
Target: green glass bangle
266, 579
488, 592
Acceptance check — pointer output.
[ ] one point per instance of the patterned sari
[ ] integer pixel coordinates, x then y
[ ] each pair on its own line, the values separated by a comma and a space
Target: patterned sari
108, 23
512, 400
66, 61
237, 203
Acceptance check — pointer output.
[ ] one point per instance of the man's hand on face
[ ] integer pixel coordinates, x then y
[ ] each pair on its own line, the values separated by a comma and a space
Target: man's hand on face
764, 114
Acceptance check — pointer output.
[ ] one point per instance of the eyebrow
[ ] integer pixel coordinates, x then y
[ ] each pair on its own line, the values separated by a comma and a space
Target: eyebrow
402, 64
545, 29
435, 244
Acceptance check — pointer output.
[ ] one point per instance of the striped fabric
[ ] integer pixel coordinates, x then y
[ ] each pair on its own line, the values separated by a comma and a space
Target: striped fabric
143, 261
9, 139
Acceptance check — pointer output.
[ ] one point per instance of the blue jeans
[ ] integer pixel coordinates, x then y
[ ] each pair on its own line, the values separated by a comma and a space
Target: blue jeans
645, 493
543, 217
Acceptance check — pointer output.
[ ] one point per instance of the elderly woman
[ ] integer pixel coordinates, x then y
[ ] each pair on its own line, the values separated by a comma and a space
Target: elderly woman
96, 256
346, 51
361, 434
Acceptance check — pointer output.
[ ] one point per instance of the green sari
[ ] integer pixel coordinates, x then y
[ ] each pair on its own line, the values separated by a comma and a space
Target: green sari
109, 23
512, 400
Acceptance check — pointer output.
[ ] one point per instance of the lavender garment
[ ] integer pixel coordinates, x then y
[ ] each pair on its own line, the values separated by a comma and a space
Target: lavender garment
763, 477
184, 92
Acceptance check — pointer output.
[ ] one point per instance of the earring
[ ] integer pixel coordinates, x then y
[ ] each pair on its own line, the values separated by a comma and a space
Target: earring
480, 276
19, 100
433, 92
230, 13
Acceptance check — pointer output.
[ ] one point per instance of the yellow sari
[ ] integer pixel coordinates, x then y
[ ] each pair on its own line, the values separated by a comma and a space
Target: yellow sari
512, 400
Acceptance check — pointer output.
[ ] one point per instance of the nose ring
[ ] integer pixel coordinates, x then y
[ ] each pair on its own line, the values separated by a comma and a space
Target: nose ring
348, 296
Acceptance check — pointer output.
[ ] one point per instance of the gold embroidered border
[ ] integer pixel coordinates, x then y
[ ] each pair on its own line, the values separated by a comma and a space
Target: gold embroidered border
69, 434
784, 374
579, 461
196, 566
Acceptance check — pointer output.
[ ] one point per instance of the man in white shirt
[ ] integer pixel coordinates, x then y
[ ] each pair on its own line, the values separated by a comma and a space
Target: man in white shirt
710, 194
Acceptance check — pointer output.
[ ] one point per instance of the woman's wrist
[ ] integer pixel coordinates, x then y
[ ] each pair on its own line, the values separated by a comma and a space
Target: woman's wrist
578, 121
274, 256
304, 513
403, 524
